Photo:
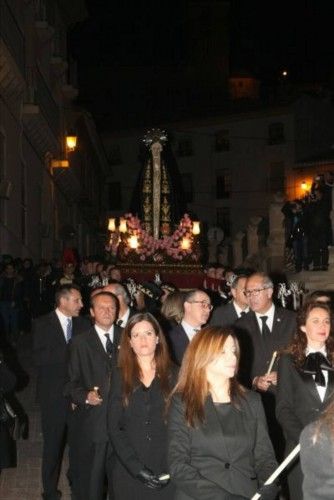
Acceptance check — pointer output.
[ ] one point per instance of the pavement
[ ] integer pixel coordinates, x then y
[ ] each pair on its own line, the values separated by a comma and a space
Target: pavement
24, 481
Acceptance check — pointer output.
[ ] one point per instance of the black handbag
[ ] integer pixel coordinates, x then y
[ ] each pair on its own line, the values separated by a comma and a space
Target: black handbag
7, 414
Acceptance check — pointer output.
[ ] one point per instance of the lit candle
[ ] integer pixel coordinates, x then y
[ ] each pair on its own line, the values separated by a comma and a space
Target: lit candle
111, 225
122, 225
133, 241
185, 243
196, 228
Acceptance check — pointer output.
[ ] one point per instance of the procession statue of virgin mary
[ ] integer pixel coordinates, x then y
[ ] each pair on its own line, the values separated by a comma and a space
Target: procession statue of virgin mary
158, 194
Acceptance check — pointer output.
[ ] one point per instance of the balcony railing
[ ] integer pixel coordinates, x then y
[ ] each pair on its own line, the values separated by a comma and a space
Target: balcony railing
12, 34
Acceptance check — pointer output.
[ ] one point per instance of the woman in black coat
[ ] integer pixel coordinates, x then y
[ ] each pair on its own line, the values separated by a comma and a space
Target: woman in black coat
137, 421
305, 380
317, 457
7, 444
219, 447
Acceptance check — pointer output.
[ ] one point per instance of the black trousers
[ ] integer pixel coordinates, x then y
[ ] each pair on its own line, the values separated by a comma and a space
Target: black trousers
92, 464
54, 414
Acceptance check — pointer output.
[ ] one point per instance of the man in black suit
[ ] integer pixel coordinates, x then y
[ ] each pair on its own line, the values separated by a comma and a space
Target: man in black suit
262, 331
125, 311
226, 315
197, 307
92, 357
51, 337
265, 329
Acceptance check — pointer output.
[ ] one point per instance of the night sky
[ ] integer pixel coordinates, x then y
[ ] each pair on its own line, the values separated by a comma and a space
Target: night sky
265, 38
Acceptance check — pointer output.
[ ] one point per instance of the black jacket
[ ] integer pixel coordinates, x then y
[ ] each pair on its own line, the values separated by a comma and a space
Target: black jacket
298, 402
89, 367
256, 354
225, 315
207, 464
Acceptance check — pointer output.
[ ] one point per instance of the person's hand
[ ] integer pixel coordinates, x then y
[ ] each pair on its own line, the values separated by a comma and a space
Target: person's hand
149, 479
268, 491
93, 398
262, 382
272, 378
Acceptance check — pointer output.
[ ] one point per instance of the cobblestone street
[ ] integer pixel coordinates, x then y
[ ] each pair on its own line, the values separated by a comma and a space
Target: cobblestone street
24, 481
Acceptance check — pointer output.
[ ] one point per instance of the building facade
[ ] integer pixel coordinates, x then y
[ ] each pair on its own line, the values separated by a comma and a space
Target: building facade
41, 204
232, 165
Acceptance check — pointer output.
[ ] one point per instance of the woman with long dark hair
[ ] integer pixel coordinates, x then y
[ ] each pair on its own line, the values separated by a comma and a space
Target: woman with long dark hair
137, 421
219, 448
305, 380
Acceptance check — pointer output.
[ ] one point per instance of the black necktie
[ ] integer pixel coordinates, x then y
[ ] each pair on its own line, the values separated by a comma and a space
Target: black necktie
119, 322
265, 328
109, 345
243, 313
314, 363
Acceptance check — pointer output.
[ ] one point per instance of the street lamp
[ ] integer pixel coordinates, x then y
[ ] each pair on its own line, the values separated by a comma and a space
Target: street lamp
71, 142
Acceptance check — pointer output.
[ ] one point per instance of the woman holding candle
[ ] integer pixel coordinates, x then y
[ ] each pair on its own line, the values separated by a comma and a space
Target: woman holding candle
219, 448
305, 380
137, 420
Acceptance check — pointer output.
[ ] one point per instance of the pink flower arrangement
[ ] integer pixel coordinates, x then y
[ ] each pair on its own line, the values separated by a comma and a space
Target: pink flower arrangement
161, 250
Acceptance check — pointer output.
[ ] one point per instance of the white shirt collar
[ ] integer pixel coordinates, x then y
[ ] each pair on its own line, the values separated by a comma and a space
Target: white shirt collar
309, 350
238, 309
190, 330
125, 318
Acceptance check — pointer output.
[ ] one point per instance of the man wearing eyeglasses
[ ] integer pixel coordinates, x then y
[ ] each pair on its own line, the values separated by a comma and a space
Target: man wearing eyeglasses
269, 329
264, 330
197, 308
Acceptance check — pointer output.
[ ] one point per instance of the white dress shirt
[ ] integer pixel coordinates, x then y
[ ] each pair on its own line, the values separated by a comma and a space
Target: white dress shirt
125, 318
102, 335
63, 321
190, 330
270, 319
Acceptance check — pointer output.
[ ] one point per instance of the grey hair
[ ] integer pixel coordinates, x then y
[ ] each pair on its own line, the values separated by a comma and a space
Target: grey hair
266, 280
120, 290
237, 278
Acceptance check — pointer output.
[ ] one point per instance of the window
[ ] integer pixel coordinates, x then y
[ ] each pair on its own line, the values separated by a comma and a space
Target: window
222, 141
223, 183
185, 147
224, 219
114, 156
115, 196
187, 184
276, 178
276, 133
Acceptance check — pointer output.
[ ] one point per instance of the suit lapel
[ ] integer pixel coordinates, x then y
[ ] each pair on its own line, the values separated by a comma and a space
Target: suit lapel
57, 328
96, 344
330, 386
310, 385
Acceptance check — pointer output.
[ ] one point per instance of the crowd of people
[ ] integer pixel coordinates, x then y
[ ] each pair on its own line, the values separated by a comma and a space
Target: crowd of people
308, 225
167, 394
